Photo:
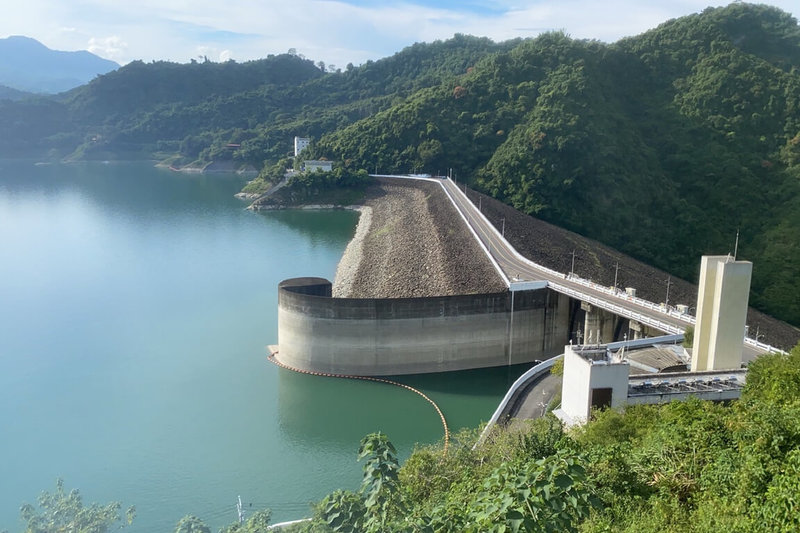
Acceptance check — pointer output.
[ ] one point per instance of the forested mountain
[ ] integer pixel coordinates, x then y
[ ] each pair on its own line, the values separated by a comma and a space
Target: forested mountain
28, 65
7, 93
661, 145
197, 109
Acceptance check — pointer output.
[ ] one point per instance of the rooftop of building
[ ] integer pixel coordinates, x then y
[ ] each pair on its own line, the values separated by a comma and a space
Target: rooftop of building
686, 382
645, 356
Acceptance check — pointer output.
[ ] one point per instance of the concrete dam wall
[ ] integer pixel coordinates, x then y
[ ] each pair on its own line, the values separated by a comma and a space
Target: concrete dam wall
389, 336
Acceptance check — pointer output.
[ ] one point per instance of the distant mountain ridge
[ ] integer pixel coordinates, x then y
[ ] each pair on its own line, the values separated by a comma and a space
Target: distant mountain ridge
8, 93
28, 65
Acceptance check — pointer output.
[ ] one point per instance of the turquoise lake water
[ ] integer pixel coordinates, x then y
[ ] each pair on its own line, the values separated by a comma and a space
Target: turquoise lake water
135, 308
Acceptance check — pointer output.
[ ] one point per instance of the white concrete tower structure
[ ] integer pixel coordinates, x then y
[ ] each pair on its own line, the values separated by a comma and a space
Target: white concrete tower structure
300, 144
722, 299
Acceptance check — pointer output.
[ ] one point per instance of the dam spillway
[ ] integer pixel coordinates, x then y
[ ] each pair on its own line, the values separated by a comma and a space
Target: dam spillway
393, 336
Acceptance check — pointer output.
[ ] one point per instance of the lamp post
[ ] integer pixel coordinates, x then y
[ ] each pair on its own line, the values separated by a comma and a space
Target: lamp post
572, 268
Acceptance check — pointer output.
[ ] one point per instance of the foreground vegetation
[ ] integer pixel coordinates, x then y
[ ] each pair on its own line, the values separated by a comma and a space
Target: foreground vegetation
682, 467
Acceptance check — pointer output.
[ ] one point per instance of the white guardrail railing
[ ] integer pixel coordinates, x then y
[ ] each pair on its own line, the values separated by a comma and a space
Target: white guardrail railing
609, 306
611, 291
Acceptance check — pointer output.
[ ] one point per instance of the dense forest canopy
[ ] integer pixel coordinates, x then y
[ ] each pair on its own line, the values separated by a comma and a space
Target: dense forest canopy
662, 145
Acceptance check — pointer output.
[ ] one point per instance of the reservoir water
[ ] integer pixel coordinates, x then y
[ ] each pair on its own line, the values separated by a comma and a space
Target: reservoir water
135, 307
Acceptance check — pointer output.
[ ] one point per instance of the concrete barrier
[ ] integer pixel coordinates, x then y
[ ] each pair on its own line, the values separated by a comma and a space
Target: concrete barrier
391, 336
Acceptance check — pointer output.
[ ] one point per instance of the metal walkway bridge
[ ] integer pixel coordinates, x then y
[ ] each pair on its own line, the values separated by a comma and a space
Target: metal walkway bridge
520, 273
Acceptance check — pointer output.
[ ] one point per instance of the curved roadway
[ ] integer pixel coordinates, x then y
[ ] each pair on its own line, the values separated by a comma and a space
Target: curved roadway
518, 273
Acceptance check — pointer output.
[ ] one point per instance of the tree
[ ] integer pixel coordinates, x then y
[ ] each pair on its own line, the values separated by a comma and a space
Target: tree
64, 512
688, 337
257, 523
370, 511
550, 494
191, 524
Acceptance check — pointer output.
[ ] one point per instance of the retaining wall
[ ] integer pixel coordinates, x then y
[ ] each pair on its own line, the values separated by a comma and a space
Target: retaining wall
374, 336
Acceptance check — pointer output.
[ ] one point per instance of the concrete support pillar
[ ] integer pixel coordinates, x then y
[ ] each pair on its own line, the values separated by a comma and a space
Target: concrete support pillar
636, 330
598, 326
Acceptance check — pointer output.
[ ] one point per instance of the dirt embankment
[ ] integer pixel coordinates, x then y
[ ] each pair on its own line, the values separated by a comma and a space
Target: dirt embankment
416, 245
553, 247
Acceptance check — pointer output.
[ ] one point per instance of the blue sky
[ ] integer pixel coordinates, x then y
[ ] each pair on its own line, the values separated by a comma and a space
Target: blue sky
334, 31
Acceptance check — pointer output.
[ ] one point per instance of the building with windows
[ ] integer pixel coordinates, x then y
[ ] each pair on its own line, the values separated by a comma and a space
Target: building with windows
300, 144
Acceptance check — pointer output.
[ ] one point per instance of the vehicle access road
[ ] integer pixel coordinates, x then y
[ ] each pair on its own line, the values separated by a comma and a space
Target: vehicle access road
517, 272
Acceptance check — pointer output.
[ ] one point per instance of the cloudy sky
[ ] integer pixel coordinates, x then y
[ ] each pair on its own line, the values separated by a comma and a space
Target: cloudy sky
334, 31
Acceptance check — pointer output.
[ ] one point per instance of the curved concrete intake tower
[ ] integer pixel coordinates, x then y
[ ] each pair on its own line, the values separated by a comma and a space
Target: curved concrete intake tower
389, 336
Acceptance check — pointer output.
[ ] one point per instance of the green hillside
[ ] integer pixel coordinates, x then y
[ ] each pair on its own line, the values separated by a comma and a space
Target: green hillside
661, 145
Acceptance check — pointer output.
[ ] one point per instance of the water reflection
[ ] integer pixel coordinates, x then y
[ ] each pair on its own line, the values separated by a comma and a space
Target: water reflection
317, 411
321, 412
131, 187
315, 224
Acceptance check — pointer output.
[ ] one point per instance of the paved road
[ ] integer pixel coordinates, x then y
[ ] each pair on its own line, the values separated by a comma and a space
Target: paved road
518, 269
534, 403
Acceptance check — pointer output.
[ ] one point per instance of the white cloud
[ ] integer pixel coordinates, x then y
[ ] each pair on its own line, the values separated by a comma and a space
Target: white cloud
213, 54
109, 47
331, 31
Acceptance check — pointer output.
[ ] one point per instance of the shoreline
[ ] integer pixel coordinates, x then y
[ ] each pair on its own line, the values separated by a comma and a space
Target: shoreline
304, 207
353, 254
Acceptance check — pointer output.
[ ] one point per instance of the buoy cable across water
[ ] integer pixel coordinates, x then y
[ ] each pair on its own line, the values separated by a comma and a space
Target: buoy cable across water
272, 359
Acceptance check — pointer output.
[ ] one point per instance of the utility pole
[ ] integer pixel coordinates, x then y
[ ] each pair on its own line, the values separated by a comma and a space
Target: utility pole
616, 274
669, 280
240, 511
503, 231
736, 246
